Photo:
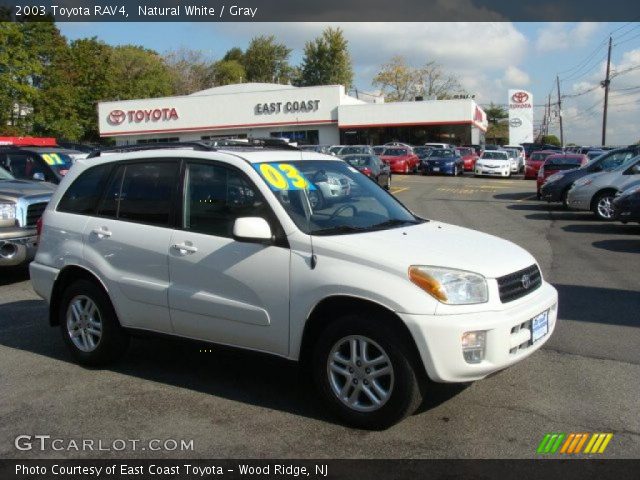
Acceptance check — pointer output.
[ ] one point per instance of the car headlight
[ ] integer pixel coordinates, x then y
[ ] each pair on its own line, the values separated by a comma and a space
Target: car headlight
7, 211
453, 287
554, 177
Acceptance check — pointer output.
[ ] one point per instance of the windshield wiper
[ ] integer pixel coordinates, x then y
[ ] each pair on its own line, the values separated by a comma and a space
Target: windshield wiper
394, 222
340, 229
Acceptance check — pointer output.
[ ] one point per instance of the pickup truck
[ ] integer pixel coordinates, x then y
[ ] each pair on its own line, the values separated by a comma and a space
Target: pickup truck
21, 205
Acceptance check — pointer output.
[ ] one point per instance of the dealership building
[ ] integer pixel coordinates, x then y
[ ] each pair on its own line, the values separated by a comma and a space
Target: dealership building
323, 115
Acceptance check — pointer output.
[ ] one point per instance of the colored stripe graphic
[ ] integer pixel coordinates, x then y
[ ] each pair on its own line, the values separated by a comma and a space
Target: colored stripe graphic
573, 443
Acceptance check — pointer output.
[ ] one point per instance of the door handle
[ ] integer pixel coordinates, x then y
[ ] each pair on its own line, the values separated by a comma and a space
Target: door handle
102, 232
184, 249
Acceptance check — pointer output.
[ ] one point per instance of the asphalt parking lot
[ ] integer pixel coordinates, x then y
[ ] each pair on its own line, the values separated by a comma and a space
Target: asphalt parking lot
585, 379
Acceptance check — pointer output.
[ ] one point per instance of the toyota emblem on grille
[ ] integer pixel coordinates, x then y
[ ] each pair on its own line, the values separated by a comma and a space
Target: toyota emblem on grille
526, 281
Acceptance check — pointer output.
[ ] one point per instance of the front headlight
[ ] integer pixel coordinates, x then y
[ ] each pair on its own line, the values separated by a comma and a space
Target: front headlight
554, 177
453, 287
7, 211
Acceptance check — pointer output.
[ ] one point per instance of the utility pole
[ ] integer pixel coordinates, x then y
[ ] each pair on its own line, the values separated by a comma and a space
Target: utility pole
560, 113
546, 132
605, 84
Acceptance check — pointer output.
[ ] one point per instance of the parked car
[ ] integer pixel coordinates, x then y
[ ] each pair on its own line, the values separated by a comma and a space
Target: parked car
469, 158
45, 164
535, 161
315, 148
438, 145
355, 150
378, 149
591, 154
442, 161
514, 157
422, 152
401, 159
520, 149
626, 205
477, 148
21, 205
224, 248
596, 192
557, 186
372, 167
495, 163
334, 149
558, 163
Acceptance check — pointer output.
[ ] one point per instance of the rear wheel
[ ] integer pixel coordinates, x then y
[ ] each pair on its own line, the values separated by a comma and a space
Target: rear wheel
603, 206
364, 373
89, 325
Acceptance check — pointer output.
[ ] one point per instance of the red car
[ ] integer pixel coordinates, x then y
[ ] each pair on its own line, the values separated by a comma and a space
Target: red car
401, 159
469, 156
534, 162
556, 163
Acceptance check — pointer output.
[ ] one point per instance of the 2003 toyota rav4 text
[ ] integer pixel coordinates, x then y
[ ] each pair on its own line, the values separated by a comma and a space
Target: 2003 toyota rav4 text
248, 249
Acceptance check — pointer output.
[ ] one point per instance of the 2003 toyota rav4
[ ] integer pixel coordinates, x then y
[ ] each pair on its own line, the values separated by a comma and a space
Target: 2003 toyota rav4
225, 247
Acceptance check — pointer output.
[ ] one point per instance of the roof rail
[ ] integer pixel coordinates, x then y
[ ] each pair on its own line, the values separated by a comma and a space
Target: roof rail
201, 146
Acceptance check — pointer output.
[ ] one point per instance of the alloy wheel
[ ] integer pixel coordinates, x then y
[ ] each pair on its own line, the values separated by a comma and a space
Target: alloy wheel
605, 207
84, 323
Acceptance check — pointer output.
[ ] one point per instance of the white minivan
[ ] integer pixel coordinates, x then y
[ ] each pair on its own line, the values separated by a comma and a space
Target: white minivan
225, 246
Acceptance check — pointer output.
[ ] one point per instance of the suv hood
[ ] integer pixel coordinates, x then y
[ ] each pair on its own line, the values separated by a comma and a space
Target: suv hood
429, 243
22, 188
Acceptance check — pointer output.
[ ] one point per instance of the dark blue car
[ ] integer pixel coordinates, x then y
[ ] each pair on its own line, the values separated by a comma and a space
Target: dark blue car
445, 161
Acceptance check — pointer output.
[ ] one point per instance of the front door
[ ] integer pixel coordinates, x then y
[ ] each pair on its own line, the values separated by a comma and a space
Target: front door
223, 290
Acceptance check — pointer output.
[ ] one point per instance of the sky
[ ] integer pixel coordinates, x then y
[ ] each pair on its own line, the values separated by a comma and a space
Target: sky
488, 58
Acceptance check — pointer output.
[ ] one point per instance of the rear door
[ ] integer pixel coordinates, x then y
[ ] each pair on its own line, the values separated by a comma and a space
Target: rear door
127, 241
223, 290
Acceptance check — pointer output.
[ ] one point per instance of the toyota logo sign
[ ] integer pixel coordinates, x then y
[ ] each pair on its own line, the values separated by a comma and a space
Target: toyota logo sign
520, 97
515, 122
116, 117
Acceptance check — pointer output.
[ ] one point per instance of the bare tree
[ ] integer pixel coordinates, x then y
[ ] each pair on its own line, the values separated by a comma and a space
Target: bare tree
438, 84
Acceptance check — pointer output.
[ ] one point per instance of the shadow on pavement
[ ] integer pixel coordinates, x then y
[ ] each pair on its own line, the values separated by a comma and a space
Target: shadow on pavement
594, 304
624, 246
516, 196
614, 228
243, 376
9, 275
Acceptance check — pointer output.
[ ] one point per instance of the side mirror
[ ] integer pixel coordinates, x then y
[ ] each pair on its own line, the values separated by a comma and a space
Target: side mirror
39, 177
252, 229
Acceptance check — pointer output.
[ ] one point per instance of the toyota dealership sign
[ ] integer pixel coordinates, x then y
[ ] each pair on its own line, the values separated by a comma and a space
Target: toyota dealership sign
520, 117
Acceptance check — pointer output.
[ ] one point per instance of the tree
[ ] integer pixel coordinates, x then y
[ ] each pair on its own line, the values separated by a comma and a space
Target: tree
327, 61
267, 61
189, 71
550, 140
234, 53
228, 71
437, 84
495, 113
497, 133
144, 72
401, 82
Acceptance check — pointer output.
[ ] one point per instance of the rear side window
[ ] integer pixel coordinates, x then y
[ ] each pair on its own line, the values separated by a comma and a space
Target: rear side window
83, 195
142, 192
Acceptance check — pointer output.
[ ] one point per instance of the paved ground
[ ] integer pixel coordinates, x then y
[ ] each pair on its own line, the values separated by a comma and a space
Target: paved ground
586, 379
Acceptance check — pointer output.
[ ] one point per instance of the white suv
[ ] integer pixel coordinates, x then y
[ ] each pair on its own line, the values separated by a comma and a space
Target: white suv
225, 247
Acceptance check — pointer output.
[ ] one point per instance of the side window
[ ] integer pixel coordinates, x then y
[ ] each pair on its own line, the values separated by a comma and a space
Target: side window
19, 165
83, 195
214, 196
141, 192
615, 160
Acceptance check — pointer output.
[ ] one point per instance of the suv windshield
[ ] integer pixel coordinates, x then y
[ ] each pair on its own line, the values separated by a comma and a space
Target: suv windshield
330, 198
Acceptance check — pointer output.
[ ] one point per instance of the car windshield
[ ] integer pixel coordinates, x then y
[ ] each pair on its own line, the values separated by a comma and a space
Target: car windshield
494, 155
562, 163
465, 151
442, 153
4, 175
395, 152
378, 150
326, 197
358, 160
58, 162
354, 150
422, 151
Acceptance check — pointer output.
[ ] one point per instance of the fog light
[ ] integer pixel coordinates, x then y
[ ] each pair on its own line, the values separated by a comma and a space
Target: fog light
473, 346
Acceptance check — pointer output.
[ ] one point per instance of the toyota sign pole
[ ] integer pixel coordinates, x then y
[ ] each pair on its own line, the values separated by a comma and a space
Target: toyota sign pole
520, 117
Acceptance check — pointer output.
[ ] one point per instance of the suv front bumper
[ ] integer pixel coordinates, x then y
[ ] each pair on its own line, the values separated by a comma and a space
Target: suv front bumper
438, 337
17, 246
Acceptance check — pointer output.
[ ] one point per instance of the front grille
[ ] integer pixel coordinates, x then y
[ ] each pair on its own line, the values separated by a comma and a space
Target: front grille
34, 212
512, 286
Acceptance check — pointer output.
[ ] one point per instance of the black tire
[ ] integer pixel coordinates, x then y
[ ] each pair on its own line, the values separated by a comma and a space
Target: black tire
596, 201
114, 340
405, 395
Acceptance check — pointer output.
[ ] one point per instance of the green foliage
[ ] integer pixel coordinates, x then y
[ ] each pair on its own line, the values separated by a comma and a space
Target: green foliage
497, 133
551, 140
495, 113
267, 61
327, 60
234, 53
142, 73
228, 71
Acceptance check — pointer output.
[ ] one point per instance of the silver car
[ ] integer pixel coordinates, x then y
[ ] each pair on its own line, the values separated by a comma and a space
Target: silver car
596, 192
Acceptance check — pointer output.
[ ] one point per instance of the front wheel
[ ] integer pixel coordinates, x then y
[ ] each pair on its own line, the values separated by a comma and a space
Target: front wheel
89, 325
388, 184
603, 206
363, 371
